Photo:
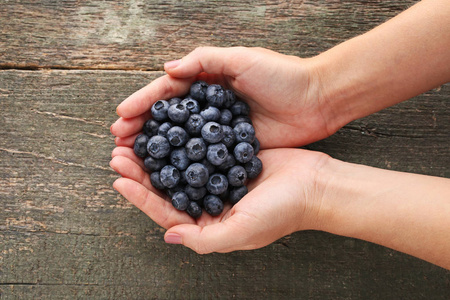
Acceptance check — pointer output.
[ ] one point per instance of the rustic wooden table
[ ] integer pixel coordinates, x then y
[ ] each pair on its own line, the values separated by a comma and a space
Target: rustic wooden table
65, 233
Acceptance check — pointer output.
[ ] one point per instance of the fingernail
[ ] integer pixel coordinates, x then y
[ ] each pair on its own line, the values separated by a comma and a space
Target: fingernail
172, 238
172, 64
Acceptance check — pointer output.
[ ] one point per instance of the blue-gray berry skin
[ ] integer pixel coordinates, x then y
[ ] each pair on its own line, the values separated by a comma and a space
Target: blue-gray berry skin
256, 146
225, 116
150, 127
243, 152
158, 146
229, 136
212, 132
156, 181
159, 110
180, 201
215, 95
196, 149
237, 176
153, 164
244, 132
140, 145
178, 188
194, 210
240, 119
198, 91
253, 167
217, 154
192, 105
217, 184
240, 108
230, 98
183, 180
178, 113
227, 164
210, 113
174, 100
177, 136
179, 159
195, 194
169, 176
211, 168
197, 175
237, 194
213, 205
164, 128
194, 124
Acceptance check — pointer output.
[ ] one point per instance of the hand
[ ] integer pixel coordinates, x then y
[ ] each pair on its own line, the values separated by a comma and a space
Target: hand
281, 91
284, 198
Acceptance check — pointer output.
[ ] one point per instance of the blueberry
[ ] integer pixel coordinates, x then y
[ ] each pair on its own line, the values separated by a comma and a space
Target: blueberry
237, 194
198, 91
158, 146
177, 136
229, 136
240, 108
253, 167
225, 116
243, 152
217, 184
244, 132
140, 145
178, 188
194, 210
163, 128
195, 194
229, 99
194, 124
196, 149
237, 176
210, 113
240, 119
174, 100
227, 164
183, 180
215, 95
179, 159
150, 127
192, 105
217, 154
156, 181
159, 110
180, 201
154, 164
169, 176
211, 168
197, 175
213, 205
256, 146
212, 132
178, 113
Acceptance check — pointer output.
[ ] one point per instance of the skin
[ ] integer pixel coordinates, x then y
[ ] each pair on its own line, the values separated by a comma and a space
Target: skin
296, 101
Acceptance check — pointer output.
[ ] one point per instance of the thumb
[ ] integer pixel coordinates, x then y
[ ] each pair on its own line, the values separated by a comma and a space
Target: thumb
219, 237
211, 60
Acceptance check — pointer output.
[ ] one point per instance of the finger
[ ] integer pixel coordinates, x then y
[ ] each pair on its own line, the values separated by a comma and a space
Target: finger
127, 152
159, 210
212, 60
126, 127
222, 237
129, 169
164, 87
126, 141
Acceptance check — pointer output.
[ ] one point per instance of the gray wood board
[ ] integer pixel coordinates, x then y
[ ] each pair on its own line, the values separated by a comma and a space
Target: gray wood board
65, 233
141, 35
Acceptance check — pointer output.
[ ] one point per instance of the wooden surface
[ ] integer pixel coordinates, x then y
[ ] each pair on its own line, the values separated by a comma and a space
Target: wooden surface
66, 234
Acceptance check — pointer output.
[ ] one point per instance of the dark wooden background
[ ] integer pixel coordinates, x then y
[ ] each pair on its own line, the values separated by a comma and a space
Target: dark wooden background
65, 233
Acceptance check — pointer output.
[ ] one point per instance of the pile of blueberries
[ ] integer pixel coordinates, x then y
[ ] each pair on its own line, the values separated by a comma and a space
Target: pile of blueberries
200, 149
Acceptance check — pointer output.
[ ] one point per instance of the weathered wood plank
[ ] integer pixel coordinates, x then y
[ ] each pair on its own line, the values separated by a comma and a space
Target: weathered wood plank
143, 34
64, 233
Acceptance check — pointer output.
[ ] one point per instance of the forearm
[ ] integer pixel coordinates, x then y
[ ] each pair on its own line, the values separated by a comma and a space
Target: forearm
406, 212
395, 61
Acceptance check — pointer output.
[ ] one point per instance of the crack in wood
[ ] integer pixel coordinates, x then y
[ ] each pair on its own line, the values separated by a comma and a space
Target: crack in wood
35, 67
